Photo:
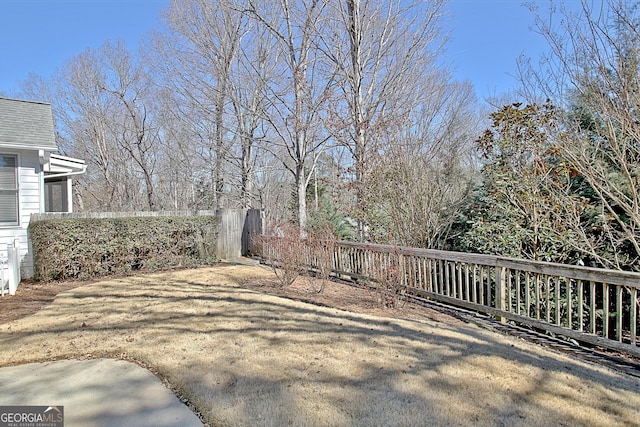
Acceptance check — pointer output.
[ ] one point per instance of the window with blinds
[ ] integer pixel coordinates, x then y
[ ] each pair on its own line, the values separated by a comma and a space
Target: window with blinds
8, 189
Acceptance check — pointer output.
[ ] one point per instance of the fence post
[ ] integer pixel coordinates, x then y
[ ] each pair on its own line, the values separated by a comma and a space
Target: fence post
13, 258
501, 291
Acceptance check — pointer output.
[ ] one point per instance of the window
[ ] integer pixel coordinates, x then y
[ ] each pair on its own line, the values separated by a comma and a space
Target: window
8, 189
55, 195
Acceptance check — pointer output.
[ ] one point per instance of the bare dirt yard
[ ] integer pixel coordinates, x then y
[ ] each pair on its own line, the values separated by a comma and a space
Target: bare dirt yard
245, 352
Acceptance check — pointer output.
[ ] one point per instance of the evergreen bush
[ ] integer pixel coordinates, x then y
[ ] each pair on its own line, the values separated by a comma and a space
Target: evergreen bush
94, 247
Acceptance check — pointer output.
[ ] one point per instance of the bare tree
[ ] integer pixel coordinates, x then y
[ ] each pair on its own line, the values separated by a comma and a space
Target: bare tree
298, 98
252, 72
592, 70
240, 99
178, 164
389, 45
103, 116
132, 125
90, 121
197, 57
420, 182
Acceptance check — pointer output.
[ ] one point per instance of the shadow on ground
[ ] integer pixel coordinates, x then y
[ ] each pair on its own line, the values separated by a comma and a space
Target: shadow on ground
245, 358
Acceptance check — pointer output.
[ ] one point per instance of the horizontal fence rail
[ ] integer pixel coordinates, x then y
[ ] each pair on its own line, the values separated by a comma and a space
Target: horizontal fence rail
596, 306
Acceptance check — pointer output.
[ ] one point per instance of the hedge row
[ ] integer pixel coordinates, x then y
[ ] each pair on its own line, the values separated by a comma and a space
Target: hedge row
89, 248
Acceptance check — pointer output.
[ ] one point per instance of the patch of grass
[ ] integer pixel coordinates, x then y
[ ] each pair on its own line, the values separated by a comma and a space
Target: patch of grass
248, 358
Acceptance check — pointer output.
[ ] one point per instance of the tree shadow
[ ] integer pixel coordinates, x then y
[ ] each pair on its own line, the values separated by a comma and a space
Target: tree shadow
246, 358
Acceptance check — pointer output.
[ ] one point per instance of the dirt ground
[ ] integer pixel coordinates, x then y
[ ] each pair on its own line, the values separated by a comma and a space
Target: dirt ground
30, 297
241, 354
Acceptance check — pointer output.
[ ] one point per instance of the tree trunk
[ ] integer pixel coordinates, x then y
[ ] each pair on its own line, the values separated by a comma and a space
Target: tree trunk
301, 190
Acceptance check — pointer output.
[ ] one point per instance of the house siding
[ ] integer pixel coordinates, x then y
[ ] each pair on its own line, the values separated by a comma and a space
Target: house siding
30, 178
26, 129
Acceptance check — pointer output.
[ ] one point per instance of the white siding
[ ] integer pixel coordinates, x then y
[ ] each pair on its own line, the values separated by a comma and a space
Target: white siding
29, 185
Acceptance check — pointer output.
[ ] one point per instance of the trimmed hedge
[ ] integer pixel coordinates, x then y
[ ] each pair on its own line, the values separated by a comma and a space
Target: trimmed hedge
93, 247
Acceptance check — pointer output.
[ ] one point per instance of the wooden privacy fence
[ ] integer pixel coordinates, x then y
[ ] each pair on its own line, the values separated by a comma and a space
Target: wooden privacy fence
595, 306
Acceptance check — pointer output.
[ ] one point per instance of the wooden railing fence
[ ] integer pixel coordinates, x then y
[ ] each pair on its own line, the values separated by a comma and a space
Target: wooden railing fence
590, 305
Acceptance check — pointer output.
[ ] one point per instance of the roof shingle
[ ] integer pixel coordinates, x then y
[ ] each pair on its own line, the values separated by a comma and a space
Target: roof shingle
26, 124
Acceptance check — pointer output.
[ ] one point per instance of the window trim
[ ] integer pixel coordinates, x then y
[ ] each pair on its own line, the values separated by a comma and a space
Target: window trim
17, 191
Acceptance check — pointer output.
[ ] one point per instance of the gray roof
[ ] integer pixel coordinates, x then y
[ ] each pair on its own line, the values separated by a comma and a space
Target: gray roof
26, 125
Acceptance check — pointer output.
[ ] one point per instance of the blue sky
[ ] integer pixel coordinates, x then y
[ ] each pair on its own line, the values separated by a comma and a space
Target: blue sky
38, 36
487, 37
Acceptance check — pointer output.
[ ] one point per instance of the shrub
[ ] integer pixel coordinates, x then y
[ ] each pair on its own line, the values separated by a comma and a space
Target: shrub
320, 247
284, 250
291, 256
390, 287
93, 247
